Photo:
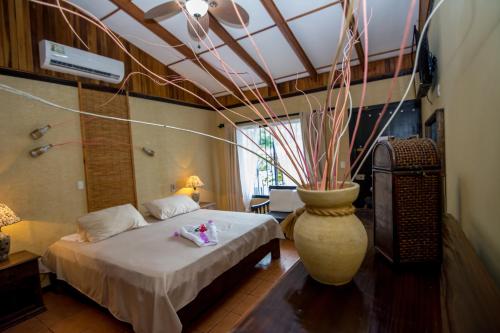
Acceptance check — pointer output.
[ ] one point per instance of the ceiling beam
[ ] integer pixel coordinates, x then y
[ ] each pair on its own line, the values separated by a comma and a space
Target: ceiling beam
131, 9
352, 26
289, 36
239, 50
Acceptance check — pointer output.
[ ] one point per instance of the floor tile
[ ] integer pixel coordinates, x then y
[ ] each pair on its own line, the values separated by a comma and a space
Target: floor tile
32, 325
248, 303
226, 324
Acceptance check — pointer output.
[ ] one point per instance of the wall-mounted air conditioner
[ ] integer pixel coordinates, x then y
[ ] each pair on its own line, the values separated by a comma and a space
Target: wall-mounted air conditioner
66, 59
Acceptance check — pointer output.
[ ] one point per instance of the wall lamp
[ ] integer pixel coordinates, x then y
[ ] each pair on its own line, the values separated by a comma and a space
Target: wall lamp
35, 152
39, 132
148, 151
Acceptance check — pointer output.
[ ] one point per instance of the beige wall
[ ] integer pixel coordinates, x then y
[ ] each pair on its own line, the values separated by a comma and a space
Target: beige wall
42, 191
178, 154
465, 37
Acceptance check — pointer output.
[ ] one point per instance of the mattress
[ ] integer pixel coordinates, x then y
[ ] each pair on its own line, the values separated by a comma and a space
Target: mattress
143, 276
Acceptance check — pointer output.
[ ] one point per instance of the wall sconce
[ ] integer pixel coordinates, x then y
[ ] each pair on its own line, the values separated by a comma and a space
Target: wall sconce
149, 152
221, 125
39, 132
40, 150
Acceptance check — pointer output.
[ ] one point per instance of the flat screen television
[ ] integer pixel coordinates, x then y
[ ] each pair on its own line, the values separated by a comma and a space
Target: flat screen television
426, 65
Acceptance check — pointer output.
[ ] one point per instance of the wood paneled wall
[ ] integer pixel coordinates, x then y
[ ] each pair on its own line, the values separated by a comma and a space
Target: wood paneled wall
107, 151
24, 24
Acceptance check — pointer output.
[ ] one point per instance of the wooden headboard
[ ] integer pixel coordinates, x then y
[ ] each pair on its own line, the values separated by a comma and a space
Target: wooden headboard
107, 150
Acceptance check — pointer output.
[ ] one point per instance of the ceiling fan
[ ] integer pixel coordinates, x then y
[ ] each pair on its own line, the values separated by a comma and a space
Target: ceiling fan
199, 11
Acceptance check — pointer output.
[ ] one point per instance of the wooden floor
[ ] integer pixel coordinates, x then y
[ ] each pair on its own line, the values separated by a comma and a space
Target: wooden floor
68, 313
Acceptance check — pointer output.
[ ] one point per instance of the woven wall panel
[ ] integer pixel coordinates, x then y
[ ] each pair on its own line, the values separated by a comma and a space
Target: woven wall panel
107, 151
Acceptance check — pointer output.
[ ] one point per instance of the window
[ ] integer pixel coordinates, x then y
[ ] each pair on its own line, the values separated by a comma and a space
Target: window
258, 174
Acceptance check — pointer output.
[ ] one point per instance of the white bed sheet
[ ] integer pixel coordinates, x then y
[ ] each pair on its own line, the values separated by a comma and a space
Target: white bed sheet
143, 276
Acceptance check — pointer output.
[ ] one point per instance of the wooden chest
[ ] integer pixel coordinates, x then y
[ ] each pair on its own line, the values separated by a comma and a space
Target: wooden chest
407, 200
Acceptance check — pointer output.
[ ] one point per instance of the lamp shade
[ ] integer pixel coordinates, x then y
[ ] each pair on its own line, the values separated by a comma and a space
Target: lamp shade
7, 216
194, 182
197, 8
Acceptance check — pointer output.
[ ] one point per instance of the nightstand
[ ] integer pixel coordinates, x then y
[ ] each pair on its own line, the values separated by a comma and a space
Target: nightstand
208, 205
20, 290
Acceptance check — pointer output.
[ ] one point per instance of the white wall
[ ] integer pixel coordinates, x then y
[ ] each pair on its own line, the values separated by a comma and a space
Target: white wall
465, 37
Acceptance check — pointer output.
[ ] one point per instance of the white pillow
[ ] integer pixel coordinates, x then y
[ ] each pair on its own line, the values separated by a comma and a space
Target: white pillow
171, 206
284, 201
108, 222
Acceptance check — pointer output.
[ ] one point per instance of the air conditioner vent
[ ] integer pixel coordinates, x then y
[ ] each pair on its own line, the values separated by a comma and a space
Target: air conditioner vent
83, 69
66, 59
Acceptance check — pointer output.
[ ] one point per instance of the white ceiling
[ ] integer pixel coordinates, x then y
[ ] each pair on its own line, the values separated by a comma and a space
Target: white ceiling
313, 30
198, 76
275, 52
292, 8
137, 34
316, 28
230, 64
259, 18
386, 26
98, 8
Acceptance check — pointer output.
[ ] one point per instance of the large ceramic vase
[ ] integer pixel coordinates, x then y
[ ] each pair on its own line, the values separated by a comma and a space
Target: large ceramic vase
330, 239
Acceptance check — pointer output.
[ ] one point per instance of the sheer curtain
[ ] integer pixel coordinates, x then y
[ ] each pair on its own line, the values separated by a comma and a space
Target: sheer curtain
229, 194
283, 159
248, 162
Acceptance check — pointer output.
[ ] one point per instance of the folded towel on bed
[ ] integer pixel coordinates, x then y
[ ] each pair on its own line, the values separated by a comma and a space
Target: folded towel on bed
202, 235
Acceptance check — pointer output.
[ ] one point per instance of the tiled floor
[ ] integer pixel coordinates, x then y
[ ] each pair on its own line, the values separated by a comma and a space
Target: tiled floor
69, 314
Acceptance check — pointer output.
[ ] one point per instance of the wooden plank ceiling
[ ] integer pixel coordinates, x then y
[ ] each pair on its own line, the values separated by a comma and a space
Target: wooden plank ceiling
296, 39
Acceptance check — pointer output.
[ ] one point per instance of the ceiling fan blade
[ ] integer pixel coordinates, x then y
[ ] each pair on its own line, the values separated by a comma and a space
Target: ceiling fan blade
164, 11
198, 27
224, 11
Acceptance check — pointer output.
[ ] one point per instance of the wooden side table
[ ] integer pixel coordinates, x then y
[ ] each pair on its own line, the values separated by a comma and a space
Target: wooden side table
208, 205
20, 290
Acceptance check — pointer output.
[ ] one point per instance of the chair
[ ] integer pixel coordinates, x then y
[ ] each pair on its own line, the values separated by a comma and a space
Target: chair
283, 204
259, 204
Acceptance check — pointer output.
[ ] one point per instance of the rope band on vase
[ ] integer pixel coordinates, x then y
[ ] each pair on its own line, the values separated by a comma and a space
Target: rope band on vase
336, 212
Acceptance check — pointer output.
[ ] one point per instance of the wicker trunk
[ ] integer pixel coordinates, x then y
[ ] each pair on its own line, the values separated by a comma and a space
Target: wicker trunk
407, 200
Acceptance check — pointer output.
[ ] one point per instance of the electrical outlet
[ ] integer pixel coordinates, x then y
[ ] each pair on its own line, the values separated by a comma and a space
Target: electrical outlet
172, 188
360, 177
80, 185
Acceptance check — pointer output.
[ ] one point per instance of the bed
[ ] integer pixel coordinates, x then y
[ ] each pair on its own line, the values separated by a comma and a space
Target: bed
153, 280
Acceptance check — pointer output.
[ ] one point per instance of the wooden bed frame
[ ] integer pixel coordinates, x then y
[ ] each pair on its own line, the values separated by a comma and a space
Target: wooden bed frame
211, 293
225, 282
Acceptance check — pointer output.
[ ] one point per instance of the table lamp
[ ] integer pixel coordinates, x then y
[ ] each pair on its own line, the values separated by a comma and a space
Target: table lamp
194, 182
7, 217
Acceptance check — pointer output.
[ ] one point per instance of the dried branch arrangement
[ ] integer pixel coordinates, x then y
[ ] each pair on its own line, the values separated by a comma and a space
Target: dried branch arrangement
316, 166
